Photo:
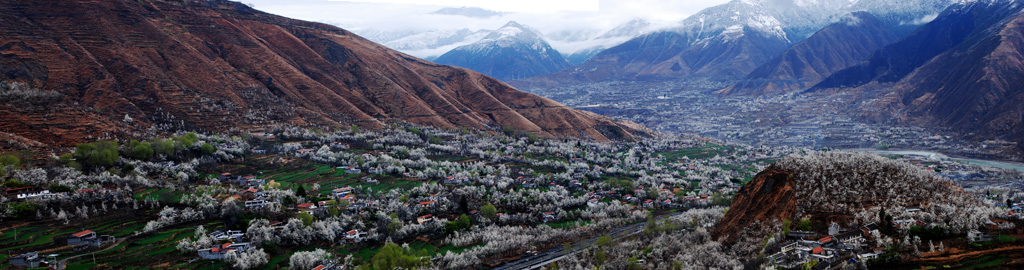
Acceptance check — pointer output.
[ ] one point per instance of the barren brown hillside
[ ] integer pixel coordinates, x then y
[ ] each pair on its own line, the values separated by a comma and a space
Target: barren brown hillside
218, 65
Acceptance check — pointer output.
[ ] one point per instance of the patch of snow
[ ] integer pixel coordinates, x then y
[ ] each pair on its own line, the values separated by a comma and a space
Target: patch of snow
851, 20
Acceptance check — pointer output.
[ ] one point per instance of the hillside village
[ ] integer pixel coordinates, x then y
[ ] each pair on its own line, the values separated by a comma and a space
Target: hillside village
432, 198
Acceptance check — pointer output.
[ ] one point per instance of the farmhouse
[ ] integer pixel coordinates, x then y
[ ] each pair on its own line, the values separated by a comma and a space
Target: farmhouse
352, 170
424, 219
307, 208
549, 216
341, 192
89, 238
29, 259
220, 252
352, 236
978, 236
250, 193
255, 204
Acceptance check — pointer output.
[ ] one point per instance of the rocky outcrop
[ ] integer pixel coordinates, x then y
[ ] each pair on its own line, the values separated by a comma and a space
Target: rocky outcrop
769, 197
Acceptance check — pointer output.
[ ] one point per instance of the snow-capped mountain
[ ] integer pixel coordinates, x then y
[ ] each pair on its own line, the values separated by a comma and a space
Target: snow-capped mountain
728, 41
806, 63
511, 52
796, 20
585, 44
578, 41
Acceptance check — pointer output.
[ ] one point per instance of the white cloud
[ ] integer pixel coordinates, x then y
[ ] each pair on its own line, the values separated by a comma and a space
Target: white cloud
923, 20
539, 6
548, 16
386, 14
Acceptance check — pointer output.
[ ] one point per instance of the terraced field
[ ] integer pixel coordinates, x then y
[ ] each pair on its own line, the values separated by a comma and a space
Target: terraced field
138, 250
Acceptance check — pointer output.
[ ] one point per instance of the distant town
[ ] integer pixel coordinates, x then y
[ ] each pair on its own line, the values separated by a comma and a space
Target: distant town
810, 121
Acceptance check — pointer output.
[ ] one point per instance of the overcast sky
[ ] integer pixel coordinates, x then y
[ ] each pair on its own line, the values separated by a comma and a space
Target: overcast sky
546, 15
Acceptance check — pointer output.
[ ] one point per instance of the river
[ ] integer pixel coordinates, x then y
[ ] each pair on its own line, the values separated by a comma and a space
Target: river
934, 155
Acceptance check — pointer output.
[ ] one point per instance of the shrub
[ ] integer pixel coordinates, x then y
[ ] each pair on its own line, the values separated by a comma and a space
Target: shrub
489, 211
140, 150
207, 149
392, 256
101, 154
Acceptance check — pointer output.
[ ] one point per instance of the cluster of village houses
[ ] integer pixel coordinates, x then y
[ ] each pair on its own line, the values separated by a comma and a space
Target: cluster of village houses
842, 245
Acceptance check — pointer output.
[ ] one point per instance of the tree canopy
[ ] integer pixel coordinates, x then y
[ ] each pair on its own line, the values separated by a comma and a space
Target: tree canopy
101, 153
392, 256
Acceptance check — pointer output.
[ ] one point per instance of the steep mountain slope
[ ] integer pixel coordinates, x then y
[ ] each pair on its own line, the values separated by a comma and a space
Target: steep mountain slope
894, 62
725, 33
220, 65
733, 52
844, 188
512, 52
838, 46
976, 87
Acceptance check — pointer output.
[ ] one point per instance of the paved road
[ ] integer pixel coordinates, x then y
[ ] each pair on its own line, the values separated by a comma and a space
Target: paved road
555, 254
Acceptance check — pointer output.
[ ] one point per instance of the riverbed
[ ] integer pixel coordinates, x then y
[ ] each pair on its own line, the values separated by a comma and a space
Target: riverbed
939, 156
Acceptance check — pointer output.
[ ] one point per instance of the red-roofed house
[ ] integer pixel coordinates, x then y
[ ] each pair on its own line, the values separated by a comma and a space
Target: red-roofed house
83, 238
220, 252
352, 236
424, 219
250, 193
307, 207
89, 238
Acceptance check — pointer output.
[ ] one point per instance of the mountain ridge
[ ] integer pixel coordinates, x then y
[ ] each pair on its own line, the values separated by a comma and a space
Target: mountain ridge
220, 65
959, 71
511, 52
776, 23
806, 63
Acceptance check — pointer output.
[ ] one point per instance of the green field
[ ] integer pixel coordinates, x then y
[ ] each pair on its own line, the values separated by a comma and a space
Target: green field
697, 152
569, 224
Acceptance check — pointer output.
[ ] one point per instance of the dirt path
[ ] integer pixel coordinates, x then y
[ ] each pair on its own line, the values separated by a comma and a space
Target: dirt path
971, 254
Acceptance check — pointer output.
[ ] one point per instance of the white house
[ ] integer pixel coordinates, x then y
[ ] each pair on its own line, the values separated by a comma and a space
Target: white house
341, 192
352, 236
